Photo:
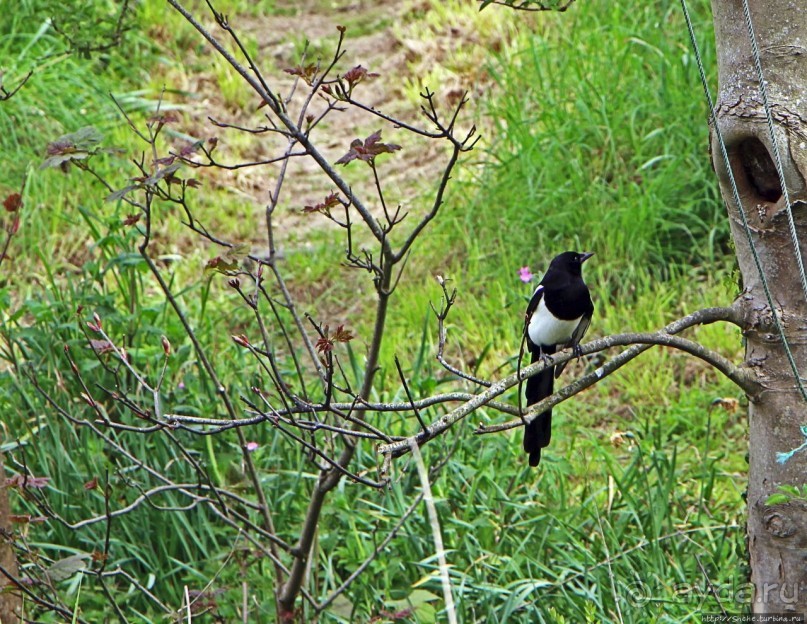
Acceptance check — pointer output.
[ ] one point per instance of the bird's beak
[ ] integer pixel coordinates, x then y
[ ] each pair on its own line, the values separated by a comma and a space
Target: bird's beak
585, 256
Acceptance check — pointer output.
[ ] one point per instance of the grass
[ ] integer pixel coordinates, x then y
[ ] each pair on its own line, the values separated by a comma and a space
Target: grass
595, 141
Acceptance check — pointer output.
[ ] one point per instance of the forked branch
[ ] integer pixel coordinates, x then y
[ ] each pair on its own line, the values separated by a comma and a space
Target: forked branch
640, 343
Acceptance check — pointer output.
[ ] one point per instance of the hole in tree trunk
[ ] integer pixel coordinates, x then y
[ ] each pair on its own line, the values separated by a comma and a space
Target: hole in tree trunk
759, 170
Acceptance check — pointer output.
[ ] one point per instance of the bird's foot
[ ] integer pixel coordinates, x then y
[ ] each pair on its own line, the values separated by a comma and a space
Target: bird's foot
577, 351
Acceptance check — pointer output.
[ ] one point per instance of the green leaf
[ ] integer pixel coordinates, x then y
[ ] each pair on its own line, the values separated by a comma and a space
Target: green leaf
163, 173
84, 139
341, 606
74, 146
55, 161
229, 261
63, 569
121, 193
128, 259
220, 264
780, 498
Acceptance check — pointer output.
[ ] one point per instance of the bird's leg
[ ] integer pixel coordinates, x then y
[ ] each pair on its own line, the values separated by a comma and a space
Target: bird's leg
546, 358
577, 351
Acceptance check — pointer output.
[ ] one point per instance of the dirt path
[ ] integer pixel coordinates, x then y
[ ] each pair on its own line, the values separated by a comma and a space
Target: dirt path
406, 43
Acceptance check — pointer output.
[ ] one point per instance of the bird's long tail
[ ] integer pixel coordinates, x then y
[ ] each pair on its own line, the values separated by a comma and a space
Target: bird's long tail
538, 433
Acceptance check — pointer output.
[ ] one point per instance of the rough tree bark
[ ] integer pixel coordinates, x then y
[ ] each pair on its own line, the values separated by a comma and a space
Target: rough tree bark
777, 534
10, 603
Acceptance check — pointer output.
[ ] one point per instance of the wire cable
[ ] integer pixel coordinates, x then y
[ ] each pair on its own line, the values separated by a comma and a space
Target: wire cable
763, 90
736, 196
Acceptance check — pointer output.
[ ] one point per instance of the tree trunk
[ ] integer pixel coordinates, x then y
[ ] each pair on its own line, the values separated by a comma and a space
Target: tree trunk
777, 534
10, 604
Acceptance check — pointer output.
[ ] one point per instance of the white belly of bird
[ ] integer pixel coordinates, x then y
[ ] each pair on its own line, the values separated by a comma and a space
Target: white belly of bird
545, 329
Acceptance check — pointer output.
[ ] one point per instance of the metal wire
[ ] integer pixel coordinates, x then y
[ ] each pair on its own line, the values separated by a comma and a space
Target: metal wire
736, 195
763, 90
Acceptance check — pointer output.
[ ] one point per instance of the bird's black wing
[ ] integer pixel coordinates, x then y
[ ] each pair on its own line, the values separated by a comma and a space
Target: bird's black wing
577, 336
531, 308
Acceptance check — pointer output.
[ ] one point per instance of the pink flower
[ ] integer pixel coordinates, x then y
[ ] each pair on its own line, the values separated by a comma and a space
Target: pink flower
524, 274
252, 446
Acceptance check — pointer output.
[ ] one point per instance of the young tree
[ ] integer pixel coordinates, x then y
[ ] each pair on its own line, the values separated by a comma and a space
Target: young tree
10, 601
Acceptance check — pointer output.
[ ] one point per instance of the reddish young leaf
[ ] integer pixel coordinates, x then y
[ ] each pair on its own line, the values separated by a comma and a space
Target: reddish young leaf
368, 149
219, 264
403, 614
92, 484
228, 261
342, 334
204, 601
163, 119
191, 148
324, 344
74, 146
13, 202
21, 481
26, 518
131, 219
358, 74
101, 346
307, 73
324, 206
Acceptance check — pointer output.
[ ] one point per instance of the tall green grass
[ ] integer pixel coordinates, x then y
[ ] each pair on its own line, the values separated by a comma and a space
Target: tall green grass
600, 143
67, 90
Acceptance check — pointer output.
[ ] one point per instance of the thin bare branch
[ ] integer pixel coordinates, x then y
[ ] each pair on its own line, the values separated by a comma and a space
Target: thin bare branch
664, 337
5, 94
442, 333
294, 130
530, 5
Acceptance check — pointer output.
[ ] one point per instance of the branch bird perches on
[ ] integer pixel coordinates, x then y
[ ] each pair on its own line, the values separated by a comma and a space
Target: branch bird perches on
637, 342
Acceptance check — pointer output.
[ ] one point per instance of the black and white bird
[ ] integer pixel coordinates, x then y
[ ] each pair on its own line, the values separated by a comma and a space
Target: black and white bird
558, 316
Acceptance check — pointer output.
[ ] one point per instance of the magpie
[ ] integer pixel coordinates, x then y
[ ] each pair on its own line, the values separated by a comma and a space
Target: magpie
558, 316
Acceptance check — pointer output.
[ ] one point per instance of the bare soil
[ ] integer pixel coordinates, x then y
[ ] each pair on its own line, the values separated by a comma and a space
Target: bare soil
380, 37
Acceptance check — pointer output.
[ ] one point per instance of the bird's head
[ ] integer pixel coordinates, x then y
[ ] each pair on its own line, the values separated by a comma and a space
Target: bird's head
570, 262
